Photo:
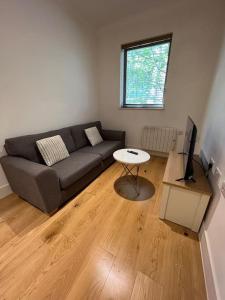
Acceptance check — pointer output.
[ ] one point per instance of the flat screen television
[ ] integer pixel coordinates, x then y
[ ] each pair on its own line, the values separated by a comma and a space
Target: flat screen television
189, 148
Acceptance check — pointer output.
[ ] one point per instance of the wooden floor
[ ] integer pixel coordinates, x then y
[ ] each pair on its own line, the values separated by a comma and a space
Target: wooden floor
99, 246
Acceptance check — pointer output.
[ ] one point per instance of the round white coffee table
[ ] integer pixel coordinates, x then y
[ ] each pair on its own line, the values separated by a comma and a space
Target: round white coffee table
130, 161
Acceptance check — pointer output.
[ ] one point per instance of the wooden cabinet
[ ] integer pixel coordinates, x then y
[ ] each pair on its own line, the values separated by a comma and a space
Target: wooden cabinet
183, 202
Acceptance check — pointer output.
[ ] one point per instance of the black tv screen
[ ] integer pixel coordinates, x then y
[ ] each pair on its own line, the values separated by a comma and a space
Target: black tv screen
189, 148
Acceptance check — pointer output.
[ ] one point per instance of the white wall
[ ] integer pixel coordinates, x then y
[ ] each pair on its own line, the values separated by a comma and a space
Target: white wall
196, 26
47, 70
213, 233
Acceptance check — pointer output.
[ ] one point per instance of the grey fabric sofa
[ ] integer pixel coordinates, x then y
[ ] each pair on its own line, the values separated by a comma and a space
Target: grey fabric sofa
48, 188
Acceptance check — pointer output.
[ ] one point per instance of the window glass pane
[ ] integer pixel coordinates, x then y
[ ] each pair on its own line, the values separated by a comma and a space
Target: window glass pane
146, 74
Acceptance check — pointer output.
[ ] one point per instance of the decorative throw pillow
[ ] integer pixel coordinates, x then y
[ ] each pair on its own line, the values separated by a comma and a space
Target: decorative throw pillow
93, 136
52, 149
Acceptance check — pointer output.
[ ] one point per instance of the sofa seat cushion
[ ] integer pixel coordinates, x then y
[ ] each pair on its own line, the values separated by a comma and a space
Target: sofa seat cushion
105, 149
74, 167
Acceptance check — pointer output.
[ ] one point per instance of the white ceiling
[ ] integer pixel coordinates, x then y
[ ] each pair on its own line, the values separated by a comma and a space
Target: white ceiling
99, 13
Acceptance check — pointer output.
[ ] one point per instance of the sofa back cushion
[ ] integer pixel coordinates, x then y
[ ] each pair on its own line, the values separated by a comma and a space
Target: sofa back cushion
25, 146
79, 135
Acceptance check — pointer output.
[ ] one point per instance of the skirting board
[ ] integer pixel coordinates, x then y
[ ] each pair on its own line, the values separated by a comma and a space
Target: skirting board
208, 268
5, 190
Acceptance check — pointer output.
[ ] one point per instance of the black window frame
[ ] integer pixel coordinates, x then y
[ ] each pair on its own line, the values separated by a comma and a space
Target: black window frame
137, 45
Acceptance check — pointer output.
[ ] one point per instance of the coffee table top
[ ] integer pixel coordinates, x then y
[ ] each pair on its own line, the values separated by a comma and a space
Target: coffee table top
128, 158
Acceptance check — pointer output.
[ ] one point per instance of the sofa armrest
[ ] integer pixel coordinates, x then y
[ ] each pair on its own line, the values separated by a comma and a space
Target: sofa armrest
36, 183
114, 135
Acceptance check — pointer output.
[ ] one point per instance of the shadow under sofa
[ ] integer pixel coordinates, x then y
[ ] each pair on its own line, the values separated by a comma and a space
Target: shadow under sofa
48, 188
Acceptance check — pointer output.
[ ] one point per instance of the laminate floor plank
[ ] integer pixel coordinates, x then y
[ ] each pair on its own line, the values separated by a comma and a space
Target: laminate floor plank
146, 289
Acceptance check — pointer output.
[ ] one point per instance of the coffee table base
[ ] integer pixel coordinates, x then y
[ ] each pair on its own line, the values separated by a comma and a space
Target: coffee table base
128, 171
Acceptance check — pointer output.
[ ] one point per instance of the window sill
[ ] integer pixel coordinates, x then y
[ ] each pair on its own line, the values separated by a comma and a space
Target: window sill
142, 108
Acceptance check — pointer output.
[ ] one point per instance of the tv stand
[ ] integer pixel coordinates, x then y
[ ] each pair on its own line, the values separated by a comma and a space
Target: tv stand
184, 202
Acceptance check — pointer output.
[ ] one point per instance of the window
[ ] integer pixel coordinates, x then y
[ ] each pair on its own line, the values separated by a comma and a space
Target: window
145, 67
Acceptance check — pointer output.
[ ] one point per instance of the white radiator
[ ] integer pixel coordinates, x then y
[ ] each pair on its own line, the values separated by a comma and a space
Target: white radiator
160, 139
